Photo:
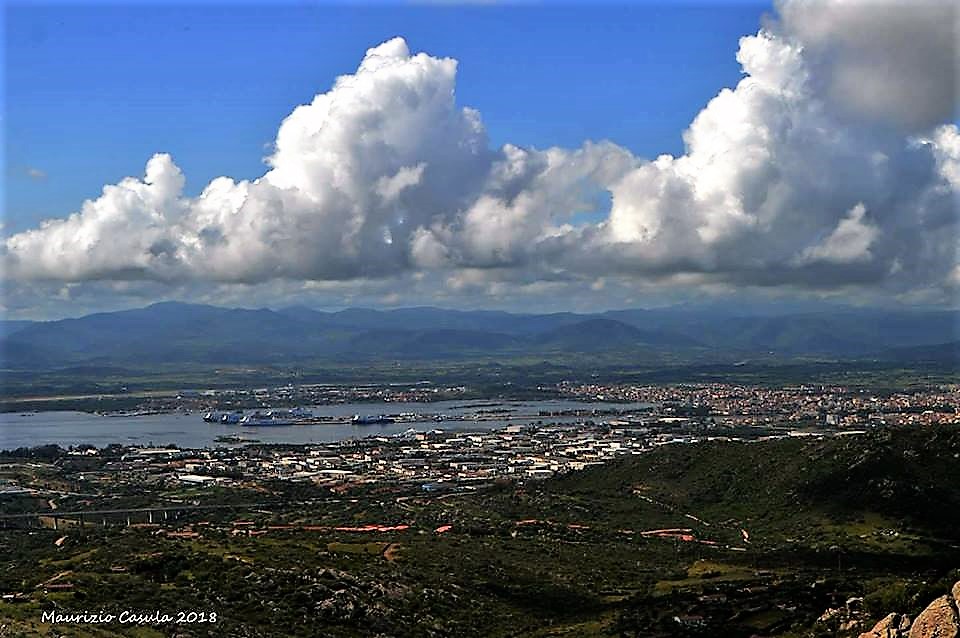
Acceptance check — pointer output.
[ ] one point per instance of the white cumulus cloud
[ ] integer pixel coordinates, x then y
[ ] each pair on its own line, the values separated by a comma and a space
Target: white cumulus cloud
833, 162
849, 242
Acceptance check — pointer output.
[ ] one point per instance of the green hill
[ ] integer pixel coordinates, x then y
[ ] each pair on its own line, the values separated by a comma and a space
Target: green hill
799, 487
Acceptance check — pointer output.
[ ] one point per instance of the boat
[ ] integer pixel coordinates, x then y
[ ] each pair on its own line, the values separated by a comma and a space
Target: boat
231, 418
295, 416
256, 419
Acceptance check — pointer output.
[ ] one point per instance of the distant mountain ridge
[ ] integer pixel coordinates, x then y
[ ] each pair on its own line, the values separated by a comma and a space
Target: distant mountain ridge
171, 332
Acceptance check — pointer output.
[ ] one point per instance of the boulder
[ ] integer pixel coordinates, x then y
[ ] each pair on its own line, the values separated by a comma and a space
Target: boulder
829, 615
938, 620
889, 627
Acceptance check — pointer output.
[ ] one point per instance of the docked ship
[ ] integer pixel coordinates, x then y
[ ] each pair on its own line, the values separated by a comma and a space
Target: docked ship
296, 416
229, 418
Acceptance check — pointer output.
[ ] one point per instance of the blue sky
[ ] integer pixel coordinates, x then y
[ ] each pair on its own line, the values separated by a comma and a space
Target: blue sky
92, 91
812, 146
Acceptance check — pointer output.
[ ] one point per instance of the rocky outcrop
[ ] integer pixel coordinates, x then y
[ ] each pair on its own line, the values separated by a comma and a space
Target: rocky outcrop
941, 619
938, 620
889, 627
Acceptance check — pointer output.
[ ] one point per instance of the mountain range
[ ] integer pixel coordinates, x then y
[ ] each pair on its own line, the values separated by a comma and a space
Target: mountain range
172, 332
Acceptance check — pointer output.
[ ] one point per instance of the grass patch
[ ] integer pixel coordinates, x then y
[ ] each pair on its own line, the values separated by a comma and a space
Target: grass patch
369, 549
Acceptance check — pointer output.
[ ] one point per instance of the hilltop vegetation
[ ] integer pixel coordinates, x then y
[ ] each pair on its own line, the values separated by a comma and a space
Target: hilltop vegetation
786, 485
